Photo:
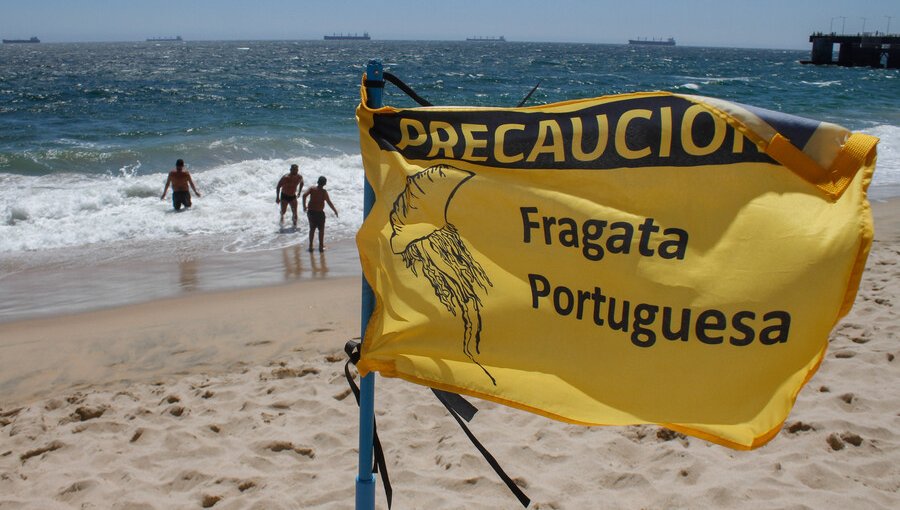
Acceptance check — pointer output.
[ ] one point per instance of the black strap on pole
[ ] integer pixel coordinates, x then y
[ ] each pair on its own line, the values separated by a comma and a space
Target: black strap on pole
423, 102
380, 466
458, 407
458, 404
406, 88
452, 402
522, 103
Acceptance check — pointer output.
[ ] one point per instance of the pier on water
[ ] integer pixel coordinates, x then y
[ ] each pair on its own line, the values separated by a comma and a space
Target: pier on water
861, 50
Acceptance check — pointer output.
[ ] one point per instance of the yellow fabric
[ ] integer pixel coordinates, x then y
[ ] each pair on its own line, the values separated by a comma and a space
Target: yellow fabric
643, 258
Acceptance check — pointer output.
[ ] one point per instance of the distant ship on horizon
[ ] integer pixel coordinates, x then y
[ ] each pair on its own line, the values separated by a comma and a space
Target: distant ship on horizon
177, 38
21, 41
653, 42
486, 39
348, 37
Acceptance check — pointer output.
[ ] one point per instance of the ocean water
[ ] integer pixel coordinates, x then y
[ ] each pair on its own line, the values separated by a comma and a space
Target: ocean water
88, 132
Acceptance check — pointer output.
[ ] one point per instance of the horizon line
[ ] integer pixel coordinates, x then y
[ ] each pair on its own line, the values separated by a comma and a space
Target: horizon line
508, 41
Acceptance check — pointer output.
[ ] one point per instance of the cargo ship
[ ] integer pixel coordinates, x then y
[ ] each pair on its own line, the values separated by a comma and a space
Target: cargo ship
21, 41
486, 39
177, 38
653, 42
348, 37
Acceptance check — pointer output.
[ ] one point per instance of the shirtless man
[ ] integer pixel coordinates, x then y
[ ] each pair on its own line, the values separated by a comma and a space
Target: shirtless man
180, 179
318, 197
286, 192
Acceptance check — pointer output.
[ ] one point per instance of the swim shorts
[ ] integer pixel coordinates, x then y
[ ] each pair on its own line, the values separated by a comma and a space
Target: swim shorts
288, 198
180, 198
316, 219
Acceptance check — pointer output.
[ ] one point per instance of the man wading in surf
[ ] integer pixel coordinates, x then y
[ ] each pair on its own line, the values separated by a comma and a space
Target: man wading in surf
318, 197
180, 179
286, 192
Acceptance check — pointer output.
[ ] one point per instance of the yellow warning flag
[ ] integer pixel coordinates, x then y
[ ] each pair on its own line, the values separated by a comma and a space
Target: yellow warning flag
641, 258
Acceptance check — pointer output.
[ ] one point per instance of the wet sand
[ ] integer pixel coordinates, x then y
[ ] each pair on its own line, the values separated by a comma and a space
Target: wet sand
94, 278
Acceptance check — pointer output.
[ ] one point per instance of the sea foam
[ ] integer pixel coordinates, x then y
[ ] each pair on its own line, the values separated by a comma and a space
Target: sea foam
237, 205
887, 170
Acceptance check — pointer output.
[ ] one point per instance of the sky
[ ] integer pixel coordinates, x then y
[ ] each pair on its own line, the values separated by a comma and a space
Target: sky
784, 24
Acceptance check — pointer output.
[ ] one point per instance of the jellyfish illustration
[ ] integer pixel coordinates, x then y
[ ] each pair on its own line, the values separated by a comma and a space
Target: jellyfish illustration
431, 245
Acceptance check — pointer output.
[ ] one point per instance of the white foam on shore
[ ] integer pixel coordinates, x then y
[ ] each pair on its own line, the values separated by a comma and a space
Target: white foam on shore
887, 169
237, 204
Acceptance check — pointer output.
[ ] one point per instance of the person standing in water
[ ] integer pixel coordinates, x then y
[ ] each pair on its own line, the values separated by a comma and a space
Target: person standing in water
318, 197
180, 179
286, 192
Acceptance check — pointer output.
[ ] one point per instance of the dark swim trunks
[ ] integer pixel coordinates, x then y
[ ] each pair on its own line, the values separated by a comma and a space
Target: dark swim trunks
316, 219
288, 198
180, 198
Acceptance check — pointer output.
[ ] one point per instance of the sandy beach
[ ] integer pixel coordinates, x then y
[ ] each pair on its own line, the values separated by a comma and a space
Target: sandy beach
236, 399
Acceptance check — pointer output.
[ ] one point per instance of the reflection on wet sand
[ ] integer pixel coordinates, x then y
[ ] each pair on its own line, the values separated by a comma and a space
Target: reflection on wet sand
293, 264
319, 264
187, 275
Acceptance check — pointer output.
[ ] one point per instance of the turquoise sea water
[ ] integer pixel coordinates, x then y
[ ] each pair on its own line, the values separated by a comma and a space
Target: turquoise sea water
89, 131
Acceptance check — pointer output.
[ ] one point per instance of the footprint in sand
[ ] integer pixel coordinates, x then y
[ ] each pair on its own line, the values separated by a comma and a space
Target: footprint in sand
53, 446
84, 413
665, 434
799, 426
837, 442
849, 325
6, 417
286, 373
76, 398
209, 500
280, 446
77, 487
187, 480
851, 438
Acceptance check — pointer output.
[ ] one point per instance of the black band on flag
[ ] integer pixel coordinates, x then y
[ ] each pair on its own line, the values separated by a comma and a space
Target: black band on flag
380, 466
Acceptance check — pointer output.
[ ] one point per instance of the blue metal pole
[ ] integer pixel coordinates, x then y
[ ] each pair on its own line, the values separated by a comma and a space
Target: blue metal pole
365, 479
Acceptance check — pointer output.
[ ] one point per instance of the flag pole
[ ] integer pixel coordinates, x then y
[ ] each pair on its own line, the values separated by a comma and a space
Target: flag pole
365, 479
